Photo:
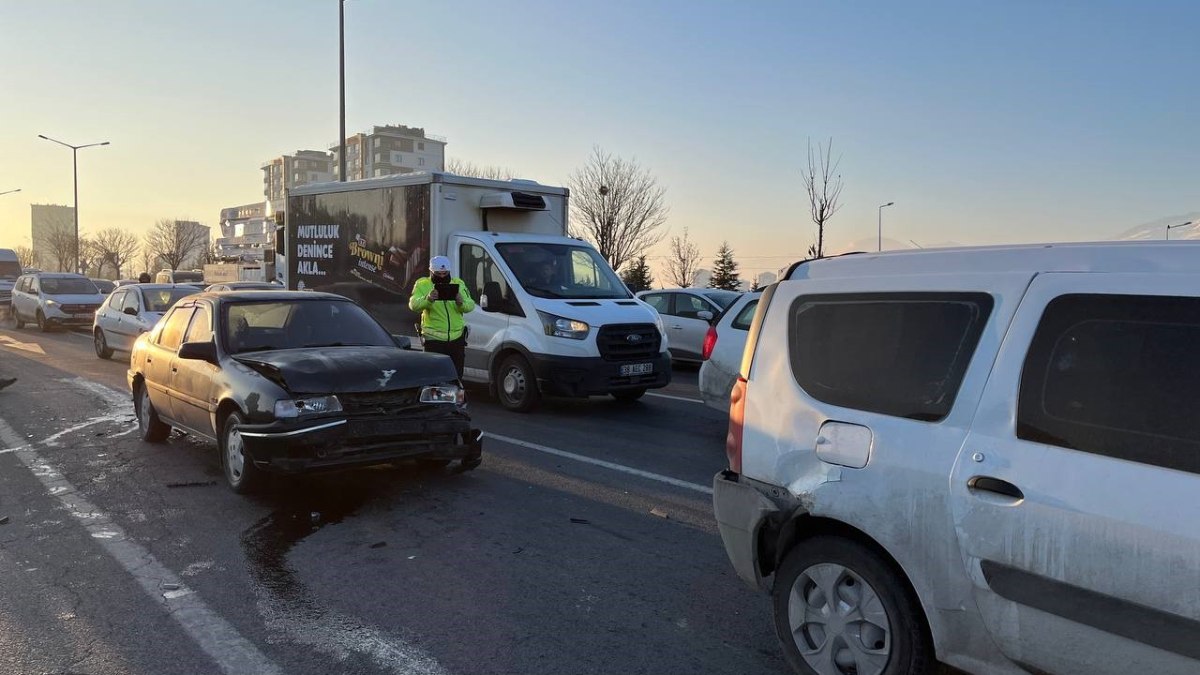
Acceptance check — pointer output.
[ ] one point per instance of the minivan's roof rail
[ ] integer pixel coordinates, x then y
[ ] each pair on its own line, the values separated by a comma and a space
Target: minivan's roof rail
788, 275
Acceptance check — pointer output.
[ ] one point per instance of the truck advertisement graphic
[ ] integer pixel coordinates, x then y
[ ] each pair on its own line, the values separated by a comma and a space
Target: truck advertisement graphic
368, 245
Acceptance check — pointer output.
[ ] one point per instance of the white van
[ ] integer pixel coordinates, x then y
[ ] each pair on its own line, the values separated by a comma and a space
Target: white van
10, 269
170, 276
988, 457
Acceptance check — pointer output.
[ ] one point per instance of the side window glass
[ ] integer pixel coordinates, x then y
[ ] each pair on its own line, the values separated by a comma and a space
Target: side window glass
661, 302
131, 300
478, 269
172, 331
1115, 375
201, 328
898, 354
33, 285
689, 306
115, 300
744, 318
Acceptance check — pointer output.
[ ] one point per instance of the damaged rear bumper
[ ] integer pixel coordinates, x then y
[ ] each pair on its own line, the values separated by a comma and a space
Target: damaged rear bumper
741, 510
359, 441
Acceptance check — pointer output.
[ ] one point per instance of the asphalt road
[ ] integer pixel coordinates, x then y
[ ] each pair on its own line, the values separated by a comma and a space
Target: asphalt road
125, 557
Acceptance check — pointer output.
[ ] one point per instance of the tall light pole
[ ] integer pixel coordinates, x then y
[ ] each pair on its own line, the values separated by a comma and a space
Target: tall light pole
342, 88
75, 171
1171, 227
10, 191
881, 208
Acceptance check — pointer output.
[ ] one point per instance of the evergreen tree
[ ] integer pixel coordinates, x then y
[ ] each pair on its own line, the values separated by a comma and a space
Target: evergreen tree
755, 286
637, 276
725, 274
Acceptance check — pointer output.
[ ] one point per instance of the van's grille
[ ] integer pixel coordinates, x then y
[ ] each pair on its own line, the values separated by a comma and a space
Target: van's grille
80, 309
628, 341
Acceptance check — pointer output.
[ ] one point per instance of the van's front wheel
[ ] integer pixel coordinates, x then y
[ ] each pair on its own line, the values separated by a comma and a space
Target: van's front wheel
516, 385
840, 608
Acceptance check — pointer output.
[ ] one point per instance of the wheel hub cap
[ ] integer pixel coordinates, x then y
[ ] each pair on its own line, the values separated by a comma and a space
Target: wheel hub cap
838, 622
234, 451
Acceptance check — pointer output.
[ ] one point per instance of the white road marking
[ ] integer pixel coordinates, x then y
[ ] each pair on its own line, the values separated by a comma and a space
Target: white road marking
600, 462
674, 398
213, 634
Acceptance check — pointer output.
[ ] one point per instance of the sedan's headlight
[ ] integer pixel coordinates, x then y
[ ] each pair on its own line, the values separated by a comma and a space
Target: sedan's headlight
563, 328
51, 303
443, 393
317, 405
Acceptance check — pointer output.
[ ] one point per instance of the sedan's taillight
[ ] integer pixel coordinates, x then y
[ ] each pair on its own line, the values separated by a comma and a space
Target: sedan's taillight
710, 341
737, 419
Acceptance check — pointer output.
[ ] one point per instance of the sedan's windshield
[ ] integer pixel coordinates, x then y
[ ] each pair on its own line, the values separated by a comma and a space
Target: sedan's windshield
160, 299
296, 324
562, 271
68, 286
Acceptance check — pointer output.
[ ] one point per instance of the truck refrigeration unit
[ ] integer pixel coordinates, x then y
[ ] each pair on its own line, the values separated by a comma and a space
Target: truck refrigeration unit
552, 318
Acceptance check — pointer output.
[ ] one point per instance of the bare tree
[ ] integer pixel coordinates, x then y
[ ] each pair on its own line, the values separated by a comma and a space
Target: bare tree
618, 206
117, 247
462, 167
91, 258
149, 260
174, 242
60, 246
824, 186
26, 257
683, 261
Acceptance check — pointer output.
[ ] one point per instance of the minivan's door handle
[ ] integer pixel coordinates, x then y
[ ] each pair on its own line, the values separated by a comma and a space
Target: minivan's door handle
995, 485
677, 327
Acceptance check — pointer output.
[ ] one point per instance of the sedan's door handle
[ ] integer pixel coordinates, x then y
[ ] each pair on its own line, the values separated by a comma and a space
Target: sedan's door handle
677, 327
995, 485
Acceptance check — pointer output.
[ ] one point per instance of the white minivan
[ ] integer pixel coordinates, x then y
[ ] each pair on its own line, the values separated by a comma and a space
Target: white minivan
987, 457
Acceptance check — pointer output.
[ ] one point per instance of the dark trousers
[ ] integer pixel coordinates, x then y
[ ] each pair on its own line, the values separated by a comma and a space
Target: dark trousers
455, 349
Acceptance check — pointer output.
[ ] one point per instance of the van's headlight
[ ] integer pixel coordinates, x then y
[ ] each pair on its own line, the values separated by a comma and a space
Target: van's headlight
317, 405
52, 303
444, 393
564, 328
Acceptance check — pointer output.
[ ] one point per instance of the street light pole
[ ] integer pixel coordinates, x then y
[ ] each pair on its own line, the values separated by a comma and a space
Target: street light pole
342, 87
75, 176
880, 244
1171, 227
10, 191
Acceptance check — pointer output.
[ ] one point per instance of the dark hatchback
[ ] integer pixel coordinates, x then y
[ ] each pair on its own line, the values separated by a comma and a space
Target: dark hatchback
290, 381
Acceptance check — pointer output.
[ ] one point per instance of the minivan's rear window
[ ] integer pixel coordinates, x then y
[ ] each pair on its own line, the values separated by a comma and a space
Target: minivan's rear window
898, 354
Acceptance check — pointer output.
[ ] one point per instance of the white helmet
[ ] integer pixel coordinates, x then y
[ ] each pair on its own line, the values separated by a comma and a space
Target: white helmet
439, 263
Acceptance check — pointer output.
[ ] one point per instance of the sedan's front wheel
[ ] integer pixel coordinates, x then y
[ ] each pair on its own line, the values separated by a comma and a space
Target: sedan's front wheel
102, 348
241, 474
150, 427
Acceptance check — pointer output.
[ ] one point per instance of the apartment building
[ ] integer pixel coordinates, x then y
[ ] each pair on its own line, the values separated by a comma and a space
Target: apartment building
390, 150
246, 233
52, 229
288, 171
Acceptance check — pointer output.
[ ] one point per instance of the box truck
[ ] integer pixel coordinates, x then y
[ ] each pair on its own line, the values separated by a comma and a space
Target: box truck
553, 317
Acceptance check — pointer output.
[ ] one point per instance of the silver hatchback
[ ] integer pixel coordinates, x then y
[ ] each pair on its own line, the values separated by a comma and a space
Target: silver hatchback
132, 310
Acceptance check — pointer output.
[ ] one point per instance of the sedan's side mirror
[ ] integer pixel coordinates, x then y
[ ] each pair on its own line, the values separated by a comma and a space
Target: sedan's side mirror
131, 311
704, 315
402, 341
199, 351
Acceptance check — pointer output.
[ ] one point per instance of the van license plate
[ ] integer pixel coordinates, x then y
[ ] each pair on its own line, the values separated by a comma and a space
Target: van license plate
637, 369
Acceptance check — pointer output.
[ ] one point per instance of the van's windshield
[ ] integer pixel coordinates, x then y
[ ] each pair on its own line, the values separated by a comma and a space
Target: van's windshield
9, 269
562, 271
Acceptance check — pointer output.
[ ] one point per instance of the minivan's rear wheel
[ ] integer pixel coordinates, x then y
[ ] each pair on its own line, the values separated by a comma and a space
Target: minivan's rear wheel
102, 349
841, 609
42, 324
241, 474
516, 384
150, 427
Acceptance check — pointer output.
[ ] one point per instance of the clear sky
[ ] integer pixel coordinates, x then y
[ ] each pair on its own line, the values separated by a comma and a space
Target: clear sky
985, 122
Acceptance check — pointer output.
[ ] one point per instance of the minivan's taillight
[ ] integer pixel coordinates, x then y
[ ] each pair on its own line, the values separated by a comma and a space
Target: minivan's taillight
710, 341
737, 419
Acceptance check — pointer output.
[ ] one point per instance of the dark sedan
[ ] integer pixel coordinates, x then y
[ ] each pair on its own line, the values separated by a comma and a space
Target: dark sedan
290, 381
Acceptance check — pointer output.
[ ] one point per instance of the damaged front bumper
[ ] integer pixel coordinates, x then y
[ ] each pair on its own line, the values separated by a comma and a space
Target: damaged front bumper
329, 443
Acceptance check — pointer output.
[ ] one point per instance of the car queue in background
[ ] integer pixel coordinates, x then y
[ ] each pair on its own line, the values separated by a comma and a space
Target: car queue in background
131, 310
687, 314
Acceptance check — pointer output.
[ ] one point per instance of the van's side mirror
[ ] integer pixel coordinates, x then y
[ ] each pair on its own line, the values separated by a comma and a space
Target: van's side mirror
704, 315
402, 341
199, 351
492, 299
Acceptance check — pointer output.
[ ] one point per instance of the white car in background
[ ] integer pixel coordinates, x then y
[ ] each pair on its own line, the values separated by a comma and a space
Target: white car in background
687, 314
132, 310
54, 300
722, 351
